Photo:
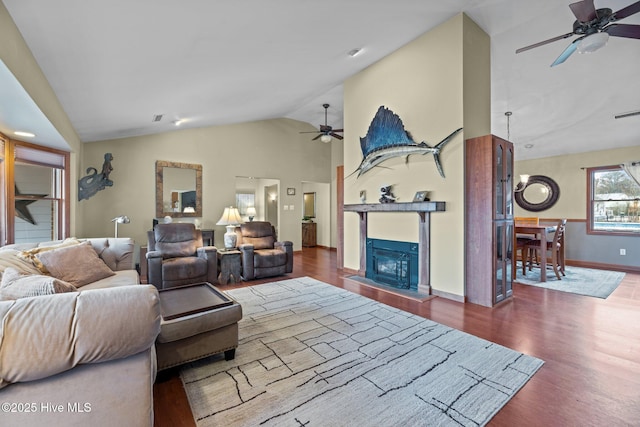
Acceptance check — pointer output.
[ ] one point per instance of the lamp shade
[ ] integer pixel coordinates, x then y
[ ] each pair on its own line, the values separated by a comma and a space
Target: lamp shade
251, 211
122, 219
230, 216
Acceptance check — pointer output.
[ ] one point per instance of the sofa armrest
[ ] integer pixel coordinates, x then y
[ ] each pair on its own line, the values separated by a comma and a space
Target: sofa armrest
210, 253
246, 251
46, 335
287, 247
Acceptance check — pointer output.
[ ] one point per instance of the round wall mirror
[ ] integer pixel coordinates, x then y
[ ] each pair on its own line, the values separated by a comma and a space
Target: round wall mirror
540, 193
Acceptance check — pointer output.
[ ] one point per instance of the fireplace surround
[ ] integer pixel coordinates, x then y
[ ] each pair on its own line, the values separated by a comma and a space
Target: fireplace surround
393, 263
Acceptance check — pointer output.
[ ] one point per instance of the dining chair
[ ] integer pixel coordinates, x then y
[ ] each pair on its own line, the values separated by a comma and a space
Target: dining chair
555, 247
522, 239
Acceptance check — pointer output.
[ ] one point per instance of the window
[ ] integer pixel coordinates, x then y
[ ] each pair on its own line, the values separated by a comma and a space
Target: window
35, 193
244, 200
614, 202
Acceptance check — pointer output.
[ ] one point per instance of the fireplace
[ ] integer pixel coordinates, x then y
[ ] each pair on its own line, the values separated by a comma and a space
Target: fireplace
393, 263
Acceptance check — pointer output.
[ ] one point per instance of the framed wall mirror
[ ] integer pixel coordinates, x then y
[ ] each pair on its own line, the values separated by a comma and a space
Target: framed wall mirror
178, 189
540, 193
309, 208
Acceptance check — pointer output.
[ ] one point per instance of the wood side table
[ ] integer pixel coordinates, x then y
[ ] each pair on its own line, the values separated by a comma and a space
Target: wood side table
308, 234
230, 266
207, 237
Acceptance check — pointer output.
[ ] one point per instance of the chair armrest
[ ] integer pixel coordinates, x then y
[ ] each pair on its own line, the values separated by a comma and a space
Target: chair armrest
154, 268
79, 328
210, 253
287, 247
246, 251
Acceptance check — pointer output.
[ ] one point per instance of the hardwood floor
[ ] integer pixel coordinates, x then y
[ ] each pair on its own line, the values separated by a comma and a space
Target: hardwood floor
591, 348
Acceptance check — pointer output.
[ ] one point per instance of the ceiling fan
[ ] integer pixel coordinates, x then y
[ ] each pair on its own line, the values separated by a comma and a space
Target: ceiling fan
594, 26
326, 131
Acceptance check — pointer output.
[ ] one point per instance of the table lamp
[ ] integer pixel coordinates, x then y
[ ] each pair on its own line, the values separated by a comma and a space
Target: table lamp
230, 218
251, 213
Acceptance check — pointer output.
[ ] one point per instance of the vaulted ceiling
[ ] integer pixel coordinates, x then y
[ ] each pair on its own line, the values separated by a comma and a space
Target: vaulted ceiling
115, 65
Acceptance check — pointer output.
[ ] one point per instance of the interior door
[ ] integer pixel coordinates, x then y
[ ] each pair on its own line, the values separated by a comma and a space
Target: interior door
271, 204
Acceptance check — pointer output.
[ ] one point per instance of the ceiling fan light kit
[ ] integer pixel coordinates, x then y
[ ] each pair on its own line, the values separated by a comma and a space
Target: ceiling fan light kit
326, 132
592, 42
594, 26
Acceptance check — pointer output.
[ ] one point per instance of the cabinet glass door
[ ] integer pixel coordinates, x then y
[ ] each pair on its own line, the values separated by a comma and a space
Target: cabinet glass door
499, 182
499, 262
508, 187
508, 259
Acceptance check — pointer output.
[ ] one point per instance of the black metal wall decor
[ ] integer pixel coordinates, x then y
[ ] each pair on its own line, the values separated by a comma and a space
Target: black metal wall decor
89, 185
22, 210
546, 185
387, 138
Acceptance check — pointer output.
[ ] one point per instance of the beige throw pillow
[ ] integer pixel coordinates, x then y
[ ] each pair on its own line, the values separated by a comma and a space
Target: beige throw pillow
78, 264
31, 254
15, 285
11, 258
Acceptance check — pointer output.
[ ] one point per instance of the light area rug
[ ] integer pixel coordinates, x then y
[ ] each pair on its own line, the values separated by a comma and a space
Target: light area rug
311, 354
581, 281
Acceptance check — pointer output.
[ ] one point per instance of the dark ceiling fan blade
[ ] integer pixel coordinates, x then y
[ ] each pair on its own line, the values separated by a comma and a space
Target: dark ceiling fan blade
584, 10
317, 137
335, 135
628, 11
624, 30
542, 43
567, 52
338, 130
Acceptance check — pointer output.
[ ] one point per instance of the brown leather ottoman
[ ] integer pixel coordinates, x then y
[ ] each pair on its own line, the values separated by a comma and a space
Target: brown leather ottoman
197, 321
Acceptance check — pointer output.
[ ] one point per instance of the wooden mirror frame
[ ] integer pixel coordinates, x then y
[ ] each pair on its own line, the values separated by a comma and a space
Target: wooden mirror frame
309, 205
553, 193
160, 165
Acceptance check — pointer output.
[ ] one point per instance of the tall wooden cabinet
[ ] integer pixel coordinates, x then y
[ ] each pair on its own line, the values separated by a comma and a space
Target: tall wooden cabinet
488, 220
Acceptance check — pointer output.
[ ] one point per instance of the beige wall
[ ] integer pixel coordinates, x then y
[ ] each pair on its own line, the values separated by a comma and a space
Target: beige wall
270, 149
571, 178
16, 55
436, 84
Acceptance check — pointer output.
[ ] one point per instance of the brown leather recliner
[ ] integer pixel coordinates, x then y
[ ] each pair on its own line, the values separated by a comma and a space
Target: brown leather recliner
262, 254
176, 256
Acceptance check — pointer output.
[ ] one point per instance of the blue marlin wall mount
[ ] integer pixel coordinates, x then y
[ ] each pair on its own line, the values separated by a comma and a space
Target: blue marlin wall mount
387, 138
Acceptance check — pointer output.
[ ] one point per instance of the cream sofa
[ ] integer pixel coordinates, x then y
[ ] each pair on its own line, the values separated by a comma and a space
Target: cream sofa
81, 358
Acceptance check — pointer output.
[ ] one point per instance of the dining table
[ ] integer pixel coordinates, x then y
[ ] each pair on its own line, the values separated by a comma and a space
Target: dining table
540, 231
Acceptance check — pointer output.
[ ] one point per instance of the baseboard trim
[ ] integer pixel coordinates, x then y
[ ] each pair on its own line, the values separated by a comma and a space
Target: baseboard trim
351, 272
448, 295
603, 266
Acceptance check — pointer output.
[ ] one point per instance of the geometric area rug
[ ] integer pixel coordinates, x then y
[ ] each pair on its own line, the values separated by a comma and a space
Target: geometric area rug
581, 281
312, 354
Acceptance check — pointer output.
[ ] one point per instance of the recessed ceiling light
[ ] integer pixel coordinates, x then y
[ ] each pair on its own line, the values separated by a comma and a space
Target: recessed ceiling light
354, 52
528, 146
26, 134
177, 122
